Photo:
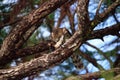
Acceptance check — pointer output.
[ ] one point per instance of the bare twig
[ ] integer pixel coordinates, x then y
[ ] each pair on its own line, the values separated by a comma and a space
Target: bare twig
99, 5
101, 52
95, 75
10, 23
91, 60
100, 17
64, 11
71, 20
117, 21
100, 73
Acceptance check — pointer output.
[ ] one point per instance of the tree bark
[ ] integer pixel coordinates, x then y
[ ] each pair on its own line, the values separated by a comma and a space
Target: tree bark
34, 18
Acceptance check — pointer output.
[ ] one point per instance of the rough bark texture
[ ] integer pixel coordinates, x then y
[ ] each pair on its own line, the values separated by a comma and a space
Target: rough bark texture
11, 47
111, 30
44, 62
33, 19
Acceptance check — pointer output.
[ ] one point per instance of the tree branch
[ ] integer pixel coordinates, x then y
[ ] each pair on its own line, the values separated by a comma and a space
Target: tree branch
39, 48
44, 62
33, 19
64, 11
91, 60
111, 30
99, 18
101, 53
10, 23
25, 37
99, 74
82, 13
35, 65
116, 77
99, 5
47, 60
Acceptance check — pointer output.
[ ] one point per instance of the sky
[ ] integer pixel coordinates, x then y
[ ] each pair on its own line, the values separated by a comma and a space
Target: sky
96, 42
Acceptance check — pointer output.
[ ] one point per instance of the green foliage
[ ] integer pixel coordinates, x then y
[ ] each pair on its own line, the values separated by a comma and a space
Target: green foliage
111, 53
73, 78
33, 39
36, 1
90, 53
108, 76
3, 34
5, 8
117, 77
51, 16
50, 20
108, 2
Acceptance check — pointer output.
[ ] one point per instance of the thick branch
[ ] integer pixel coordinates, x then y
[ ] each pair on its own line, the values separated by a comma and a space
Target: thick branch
47, 60
82, 13
27, 34
111, 30
39, 48
19, 46
34, 18
44, 62
35, 65
42, 46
